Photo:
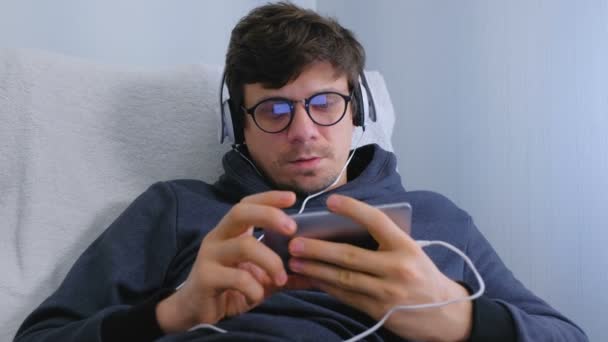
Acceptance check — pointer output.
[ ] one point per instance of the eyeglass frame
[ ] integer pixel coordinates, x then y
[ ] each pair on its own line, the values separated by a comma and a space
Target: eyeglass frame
292, 110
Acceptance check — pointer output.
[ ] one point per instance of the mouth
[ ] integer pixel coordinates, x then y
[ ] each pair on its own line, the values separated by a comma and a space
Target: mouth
306, 162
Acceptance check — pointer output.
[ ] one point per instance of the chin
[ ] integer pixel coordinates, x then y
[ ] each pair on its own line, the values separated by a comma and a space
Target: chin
308, 188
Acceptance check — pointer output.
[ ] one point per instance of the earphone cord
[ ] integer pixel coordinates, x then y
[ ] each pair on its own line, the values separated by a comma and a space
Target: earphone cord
352, 154
309, 197
421, 243
235, 147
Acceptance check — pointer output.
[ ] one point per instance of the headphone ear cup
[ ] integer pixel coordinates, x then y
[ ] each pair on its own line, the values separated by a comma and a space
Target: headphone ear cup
236, 123
365, 103
231, 120
358, 117
369, 107
227, 128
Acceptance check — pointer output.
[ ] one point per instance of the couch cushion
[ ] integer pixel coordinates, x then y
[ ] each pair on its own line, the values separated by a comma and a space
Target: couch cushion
79, 141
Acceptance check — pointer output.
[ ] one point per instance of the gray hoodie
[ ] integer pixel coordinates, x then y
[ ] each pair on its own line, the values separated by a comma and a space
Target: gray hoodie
112, 289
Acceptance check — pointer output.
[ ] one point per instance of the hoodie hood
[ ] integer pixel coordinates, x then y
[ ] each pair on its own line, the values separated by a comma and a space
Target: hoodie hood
371, 168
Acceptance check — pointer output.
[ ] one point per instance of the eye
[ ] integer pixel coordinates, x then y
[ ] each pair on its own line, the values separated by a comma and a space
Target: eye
319, 100
280, 108
324, 102
273, 109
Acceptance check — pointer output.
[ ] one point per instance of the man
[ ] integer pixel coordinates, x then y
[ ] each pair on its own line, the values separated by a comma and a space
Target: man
291, 76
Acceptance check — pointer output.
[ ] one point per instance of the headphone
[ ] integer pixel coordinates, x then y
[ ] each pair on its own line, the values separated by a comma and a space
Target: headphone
231, 126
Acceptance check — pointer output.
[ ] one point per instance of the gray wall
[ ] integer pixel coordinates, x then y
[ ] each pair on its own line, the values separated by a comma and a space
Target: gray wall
145, 33
503, 106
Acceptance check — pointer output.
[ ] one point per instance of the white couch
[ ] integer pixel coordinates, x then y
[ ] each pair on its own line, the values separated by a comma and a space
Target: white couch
79, 141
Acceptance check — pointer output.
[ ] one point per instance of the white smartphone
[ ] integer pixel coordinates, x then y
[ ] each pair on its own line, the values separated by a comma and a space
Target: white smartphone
325, 225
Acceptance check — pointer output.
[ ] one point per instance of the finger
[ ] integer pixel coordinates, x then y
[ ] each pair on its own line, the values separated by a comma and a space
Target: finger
248, 249
336, 276
275, 199
258, 273
270, 287
244, 216
340, 254
381, 227
279, 199
241, 281
249, 231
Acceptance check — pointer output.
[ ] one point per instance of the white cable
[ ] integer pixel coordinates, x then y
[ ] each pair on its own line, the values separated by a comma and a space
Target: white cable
309, 197
207, 326
337, 178
235, 147
332, 184
423, 243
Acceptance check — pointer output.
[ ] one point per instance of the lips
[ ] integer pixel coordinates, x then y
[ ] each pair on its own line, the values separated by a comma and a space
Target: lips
302, 159
305, 162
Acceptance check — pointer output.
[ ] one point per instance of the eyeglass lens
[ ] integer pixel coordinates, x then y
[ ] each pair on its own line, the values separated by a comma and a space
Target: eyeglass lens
275, 114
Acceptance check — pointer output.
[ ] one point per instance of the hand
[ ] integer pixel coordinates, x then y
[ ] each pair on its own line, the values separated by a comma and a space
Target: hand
398, 273
233, 272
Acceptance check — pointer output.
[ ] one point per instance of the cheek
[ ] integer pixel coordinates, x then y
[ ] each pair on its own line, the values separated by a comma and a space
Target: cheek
248, 127
342, 134
261, 147
254, 138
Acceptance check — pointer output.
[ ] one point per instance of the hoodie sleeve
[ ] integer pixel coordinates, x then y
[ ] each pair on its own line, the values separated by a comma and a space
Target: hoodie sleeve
534, 319
123, 267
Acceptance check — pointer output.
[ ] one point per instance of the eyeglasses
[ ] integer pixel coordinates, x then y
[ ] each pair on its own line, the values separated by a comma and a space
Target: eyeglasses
275, 114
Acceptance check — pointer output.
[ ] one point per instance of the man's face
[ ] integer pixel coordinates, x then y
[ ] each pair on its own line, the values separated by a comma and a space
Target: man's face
305, 157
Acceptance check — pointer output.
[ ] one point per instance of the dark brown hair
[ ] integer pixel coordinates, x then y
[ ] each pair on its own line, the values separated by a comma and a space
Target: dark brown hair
273, 44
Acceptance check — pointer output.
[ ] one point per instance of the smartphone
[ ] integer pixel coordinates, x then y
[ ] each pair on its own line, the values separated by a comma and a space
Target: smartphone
325, 225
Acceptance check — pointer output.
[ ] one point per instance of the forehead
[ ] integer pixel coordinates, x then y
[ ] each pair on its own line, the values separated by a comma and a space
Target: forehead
321, 76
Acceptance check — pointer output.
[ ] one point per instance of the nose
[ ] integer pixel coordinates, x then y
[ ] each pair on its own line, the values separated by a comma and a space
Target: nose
302, 128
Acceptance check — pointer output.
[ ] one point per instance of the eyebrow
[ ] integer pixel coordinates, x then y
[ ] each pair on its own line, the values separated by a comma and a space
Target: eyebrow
276, 96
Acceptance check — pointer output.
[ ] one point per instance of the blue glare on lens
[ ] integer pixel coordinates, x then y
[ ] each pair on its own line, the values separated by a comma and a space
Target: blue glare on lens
281, 108
319, 100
